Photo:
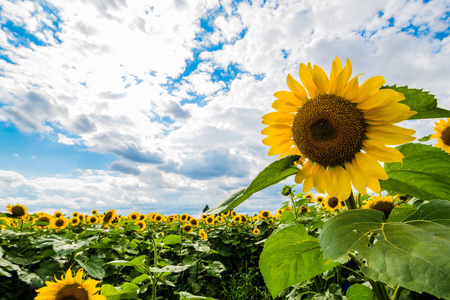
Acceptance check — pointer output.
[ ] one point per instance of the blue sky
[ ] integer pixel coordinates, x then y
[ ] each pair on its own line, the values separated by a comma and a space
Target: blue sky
156, 106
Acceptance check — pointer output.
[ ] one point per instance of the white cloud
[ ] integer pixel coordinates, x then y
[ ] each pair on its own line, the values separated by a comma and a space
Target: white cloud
111, 84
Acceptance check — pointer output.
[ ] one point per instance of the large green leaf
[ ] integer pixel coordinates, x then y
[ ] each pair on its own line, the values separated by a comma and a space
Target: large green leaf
424, 103
274, 173
359, 292
413, 254
291, 256
94, 266
424, 173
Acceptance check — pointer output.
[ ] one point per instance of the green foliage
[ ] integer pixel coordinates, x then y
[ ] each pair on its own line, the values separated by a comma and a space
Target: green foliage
359, 292
413, 253
424, 173
424, 103
291, 256
274, 173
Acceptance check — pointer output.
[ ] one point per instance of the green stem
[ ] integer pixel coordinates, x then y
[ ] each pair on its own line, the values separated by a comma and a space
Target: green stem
155, 283
379, 290
350, 202
397, 293
318, 284
293, 205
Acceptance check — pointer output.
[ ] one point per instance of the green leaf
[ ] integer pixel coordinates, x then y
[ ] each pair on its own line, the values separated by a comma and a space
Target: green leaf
287, 216
32, 279
141, 278
425, 138
359, 292
274, 173
425, 173
424, 103
186, 295
173, 269
94, 267
172, 239
135, 262
413, 254
66, 247
401, 212
291, 256
126, 291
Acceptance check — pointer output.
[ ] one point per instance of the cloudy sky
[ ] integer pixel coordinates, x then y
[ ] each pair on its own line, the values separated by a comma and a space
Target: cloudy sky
156, 105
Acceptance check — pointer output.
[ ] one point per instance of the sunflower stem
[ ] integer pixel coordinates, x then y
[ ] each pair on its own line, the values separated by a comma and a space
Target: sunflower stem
379, 290
397, 293
350, 202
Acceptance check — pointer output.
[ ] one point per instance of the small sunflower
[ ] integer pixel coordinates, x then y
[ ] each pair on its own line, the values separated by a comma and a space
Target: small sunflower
69, 287
233, 213
142, 217
320, 200
304, 209
159, 218
226, 214
187, 227
133, 216
309, 196
141, 225
18, 211
244, 219
94, 212
59, 223
339, 129
75, 214
43, 219
93, 220
218, 219
264, 214
74, 221
442, 134
58, 214
256, 231
184, 217
332, 203
210, 220
203, 234
109, 217
384, 204
194, 222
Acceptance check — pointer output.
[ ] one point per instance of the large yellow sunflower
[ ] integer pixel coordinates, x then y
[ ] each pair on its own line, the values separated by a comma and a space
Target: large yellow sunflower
18, 211
339, 128
442, 134
70, 288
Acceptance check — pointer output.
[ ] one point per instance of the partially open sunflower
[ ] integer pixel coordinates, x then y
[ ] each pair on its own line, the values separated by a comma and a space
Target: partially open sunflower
442, 134
339, 128
18, 211
70, 288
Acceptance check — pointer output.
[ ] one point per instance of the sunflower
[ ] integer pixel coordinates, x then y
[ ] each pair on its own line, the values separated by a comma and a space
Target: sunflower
142, 217
74, 221
59, 223
133, 216
43, 219
187, 227
58, 214
264, 214
93, 220
309, 196
203, 234
94, 212
244, 219
18, 211
184, 217
339, 129
256, 231
141, 225
320, 200
225, 214
210, 220
442, 134
159, 218
75, 214
305, 208
332, 203
384, 204
218, 219
233, 213
194, 222
109, 217
70, 288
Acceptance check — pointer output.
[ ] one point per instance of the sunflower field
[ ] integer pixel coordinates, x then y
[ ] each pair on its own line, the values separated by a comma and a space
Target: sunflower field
371, 221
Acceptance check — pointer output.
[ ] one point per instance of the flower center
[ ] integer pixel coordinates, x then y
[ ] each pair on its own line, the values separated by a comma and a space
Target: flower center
59, 223
329, 130
108, 217
383, 206
72, 292
333, 202
17, 211
445, 136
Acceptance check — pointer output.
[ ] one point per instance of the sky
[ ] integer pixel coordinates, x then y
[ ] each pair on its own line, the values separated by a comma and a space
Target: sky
156, 106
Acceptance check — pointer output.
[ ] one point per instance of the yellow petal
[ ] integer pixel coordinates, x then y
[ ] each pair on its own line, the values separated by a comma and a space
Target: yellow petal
356, 176
303, 172
385, 114
275, 140
381, 152
290, 151
342, 78
320, 78
277, 129
332, 186
336, 68
279, 116
382, 97
370, 165
275, 150
297, 89
318, 173
284, 106
306, 76
289, 98
373, 184
344, 183
352, 89
308, 183
369, 87
390, 134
